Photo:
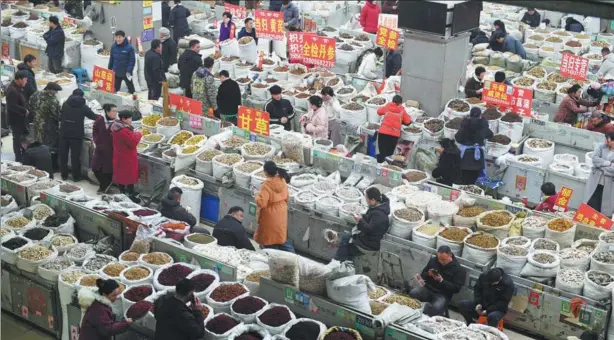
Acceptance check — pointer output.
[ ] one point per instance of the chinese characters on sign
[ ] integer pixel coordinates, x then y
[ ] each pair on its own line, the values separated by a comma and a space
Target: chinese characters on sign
562, 200
310, 25
253, 120
388, 20
295, 46
270, 25
574, 66
522, 101
147, 22
319, 51
387, 38
587, 215
185, 104
236, 11
497, 93
105, 79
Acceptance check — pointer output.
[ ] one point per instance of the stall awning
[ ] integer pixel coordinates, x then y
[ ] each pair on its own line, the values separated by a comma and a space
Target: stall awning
594, 8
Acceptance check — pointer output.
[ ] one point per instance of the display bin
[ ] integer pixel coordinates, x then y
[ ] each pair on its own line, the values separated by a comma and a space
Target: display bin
152, 171
522, 180
18, 191
210, 208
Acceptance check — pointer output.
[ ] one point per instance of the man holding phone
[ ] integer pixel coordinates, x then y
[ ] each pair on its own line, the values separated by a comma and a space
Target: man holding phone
441, 278
174, 319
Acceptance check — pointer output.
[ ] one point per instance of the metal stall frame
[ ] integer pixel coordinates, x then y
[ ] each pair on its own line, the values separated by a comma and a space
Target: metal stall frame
19, 192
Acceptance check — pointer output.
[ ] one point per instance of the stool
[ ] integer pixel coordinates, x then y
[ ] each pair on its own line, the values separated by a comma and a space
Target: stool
81, 74
483, 320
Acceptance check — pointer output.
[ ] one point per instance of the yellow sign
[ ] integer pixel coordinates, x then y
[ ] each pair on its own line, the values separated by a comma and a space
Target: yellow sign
147, 3
147, 22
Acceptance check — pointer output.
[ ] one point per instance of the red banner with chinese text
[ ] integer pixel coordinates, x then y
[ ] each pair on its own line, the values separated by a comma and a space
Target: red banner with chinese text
587, 215
238, 12
270, 25
295, 45
185, 104
387, 37
574, 66
253, 120
319, 51
522, 101
497, 93
562, 199
104, 78
310, 25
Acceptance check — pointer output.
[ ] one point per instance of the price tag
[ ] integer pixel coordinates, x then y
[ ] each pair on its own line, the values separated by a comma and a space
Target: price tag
196, 122
182, 258
384, 172
24, 311
289, 295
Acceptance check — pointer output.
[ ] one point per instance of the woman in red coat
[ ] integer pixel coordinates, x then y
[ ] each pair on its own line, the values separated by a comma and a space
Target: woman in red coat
102, 162
99, 322
125, 160
390, 129
369, 16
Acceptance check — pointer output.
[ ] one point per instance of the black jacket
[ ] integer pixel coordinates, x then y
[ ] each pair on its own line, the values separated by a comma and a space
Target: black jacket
169, 53
166, 14
471, 86
278, 109
373, 226
453, 275
175, 320
473, 131
480, 38
448, 169
178, 20
38, 156
275, 5
230, 232
532, 20
16, 107
493, 44
173, 210
154, 68
55, 39
493, 298
228, 97
30, 88
393, 63
189, 62
74, 111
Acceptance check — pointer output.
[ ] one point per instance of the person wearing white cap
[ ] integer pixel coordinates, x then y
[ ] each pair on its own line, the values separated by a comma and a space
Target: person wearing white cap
169, 48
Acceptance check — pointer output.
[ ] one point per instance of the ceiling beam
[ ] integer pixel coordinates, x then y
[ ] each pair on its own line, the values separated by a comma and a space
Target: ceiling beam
593, 8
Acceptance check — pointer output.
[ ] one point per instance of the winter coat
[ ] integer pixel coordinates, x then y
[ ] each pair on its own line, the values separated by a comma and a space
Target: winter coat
98, 322
172, 209
315, 123
189, 62
228, 32
373, 225
243, 33
369, 16
448, 168
607, 66
394, 62
229, 232
453, 275
175, 320
166, 14
480, 39
568, 110
125, 160
548, 205
169, 53
601, 168
394, 116
38, 156
532, 20
473, 131
493, 298
368, 66
576, 27
122, 59
228, 97
333, 108
278, 109
46, 110
16, 107
30, 87
471, 86
74, 111
154, 68
55, 39
494, 44
292, 15
272, 213
604, 127
103, 153
178, 20
512, 45
387, 8
204, 88
275, 5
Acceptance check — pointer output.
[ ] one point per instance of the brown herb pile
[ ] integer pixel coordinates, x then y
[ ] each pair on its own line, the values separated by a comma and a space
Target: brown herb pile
483, 241
496, 219
491, 114
454, 234
454, 124
511, 117
434, 125
500, 139
459, 105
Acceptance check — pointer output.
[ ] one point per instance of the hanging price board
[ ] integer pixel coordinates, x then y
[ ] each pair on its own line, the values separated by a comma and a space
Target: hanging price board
387, 38
319, 51
522, 101
574, 66
388, 20
239, 12
105, 79
587, 215
497, 93
270, 25
185, 104
295, 46
253, 120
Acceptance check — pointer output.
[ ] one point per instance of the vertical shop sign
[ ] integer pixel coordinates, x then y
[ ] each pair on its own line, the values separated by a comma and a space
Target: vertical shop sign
270, 25
388, 20
319, 51
239, 12
147, 22
522, 101
574, 66
105, 79
562, 199
295, 46
387, 37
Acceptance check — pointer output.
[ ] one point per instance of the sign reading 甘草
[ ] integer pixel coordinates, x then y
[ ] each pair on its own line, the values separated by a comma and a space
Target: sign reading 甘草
253, 120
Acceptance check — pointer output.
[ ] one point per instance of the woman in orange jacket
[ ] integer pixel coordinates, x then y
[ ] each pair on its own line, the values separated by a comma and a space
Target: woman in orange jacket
272, 213
390, 129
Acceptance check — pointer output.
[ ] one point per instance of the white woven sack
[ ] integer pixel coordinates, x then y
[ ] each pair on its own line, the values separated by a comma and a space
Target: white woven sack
243, 179
594, 291
245, 328
455, 246
328, 204
45, 241
537, 269
572, 258
160, 287
202, 295
224, 307
532, 232
516, 241
130, 283
556, 251
511, 264
32, 266
273, 330
477, 254
490, 332
500, 232
402, 228
247, 318
295, 321
127, 303
546, 154
442, 211
79, 260
423, 239
511, 130
220, 169
189, 244
567, 286
212, 336
12, 206
67, 290
9, 216
563, 238
50, 275
128, 263
497, 150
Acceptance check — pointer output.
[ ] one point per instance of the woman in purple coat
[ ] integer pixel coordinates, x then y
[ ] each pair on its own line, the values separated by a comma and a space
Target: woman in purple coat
99, 323
102, 163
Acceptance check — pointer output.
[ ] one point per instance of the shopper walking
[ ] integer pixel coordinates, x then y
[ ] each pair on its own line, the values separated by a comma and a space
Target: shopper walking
228, 98
189, 61
154, 70
228, 29
470, 137
178, 20
369, 16
46, 110
74, 111
125, 160
333, 111
599, 190
102, 162
98, 322
292, 15
29, 62
55, 39
203, 86
390, 129
17, 111
169, 48
272, 209
121, 61
174, 319
249, 30
315, 122
279, 109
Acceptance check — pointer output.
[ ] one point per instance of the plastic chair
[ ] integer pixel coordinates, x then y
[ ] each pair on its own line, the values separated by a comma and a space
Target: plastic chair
81, 74
483, 320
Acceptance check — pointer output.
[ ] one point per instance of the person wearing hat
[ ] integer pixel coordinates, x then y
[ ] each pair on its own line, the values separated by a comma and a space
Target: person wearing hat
531, 17
46, 110
280, 109
72, 119
571, 105
599, 122
99, 321
492, 294
470, 138
169, 48
37, 155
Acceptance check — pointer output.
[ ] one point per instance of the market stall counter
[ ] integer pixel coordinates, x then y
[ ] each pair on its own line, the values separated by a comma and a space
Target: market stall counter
15, 189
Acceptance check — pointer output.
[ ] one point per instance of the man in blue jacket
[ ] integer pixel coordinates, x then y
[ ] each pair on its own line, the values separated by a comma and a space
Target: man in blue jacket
55, 44
179, 21
275, 5
121, 61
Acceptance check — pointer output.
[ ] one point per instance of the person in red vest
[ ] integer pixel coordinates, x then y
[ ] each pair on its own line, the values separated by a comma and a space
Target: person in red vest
390, 129
549, 195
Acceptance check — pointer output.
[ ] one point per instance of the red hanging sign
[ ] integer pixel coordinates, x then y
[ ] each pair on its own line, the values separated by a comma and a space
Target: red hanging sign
522, 101
574, 66
6, 50
319, 51
104, 78
497, 93
562, 199
253, 120
587, 215
185, 104
387, 38
310, 25
239, 12
70, 20
270, 25
295, 46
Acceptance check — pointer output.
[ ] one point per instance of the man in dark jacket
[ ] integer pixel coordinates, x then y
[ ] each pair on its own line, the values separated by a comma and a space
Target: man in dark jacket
531, 17
275, 5
154, 70
74, 111
394, 60
492, 294
230, 232
169, 48
37, 155
279, 109
448, 168
189, 61
390, 6
473, 131
55, 39
17, 111
228, 98
478, 37
29, 62
441, 278
171, 208
474, 85
166, 14
121, 61
178, 20
174, 319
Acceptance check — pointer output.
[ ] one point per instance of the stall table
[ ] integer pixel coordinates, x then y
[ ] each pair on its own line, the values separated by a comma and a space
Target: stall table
18, 191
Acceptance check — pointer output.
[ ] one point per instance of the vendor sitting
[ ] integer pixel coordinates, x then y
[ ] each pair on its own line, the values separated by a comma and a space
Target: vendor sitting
441, 278
549, 196
170, 208
599, 122
492, 294
229, 231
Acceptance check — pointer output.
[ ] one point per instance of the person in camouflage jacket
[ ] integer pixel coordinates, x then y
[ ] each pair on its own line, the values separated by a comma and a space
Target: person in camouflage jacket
46, 110
204, 87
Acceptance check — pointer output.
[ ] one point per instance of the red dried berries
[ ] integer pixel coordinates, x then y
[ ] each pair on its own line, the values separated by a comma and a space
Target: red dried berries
221, 324
225, 293
248, 305
173, 274
275, 316
138, 293
139, 309
202, 281
144, 212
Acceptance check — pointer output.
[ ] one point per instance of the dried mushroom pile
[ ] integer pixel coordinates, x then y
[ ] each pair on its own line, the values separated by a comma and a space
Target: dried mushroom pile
539, 143
409, 214
458, 105
257, 149
496, 219
434, 125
